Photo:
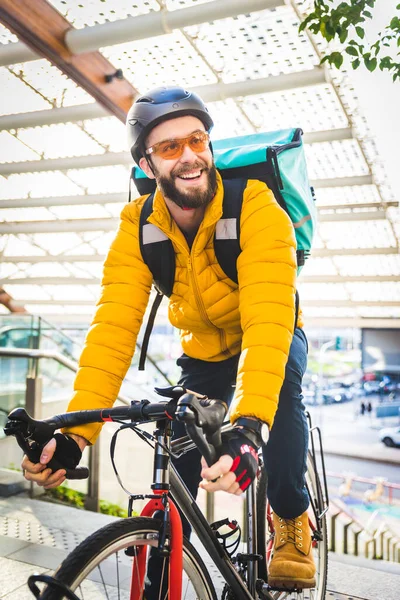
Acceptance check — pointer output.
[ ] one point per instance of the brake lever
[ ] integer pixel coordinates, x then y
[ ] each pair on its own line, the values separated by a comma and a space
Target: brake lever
203, 419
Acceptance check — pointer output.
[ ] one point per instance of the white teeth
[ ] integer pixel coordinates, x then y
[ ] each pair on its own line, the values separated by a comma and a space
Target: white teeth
190, 175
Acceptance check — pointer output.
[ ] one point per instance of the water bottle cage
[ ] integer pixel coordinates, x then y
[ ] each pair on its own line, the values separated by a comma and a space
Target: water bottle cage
230, 545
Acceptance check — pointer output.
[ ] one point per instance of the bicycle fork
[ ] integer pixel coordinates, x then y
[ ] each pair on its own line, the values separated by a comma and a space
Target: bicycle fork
170, 542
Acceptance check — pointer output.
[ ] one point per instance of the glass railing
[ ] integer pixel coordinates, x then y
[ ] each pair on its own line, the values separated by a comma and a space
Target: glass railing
31, 332
34, 332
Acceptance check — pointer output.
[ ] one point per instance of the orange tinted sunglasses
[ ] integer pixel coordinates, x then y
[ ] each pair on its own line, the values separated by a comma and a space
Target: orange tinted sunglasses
198, 141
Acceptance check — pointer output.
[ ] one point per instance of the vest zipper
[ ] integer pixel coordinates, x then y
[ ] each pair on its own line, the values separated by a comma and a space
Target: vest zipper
203, 312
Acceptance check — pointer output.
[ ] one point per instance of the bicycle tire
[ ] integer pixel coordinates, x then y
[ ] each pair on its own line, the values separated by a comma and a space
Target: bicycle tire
320, 550
79, 569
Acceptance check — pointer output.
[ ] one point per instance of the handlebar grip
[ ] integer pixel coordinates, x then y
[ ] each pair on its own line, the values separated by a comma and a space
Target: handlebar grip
78, 473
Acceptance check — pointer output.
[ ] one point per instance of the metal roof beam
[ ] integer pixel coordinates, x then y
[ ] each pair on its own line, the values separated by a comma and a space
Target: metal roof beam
44, 29
328, 135
349, 303
353, 323
358, 205
209, 93
344, 181
47, 258
52, 116
364, 215
111, 223
124, 158
348, 278
78, 113
76, 258
64, 200
122, 197
152, 24
333, 303
329, 252
64, 164
96, 281
60, 226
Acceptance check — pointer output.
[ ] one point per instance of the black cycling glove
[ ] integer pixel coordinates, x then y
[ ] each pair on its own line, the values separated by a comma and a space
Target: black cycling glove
244, 452
67, 453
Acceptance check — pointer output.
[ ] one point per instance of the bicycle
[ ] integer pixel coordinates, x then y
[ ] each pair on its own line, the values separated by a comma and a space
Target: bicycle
112, 562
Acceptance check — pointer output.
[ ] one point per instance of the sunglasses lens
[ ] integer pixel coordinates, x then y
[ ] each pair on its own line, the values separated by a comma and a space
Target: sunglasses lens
170, 149
198, 142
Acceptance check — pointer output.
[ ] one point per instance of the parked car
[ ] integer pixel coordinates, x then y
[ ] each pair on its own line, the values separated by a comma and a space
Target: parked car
309, 397
390, 436
337, 394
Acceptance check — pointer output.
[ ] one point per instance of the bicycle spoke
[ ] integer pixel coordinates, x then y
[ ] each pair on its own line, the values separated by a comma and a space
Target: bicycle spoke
136, 563
161, 582
104, 583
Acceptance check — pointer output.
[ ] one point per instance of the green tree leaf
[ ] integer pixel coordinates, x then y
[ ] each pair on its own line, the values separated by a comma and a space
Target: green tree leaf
352, 51
370, 64
360, 32
356, 63
337, 59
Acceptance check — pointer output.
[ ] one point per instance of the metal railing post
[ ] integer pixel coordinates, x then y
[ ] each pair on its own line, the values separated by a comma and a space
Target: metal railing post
346, 536
356, 538
333, 532
92, 501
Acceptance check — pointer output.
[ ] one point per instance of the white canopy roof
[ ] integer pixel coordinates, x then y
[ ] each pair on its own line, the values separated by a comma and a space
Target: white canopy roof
65, 169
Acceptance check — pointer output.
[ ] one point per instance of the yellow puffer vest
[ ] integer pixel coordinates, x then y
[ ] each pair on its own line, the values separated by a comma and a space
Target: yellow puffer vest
216, 317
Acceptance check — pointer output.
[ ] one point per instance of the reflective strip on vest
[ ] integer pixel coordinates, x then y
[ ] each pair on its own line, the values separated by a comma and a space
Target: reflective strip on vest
152, 234
226, 229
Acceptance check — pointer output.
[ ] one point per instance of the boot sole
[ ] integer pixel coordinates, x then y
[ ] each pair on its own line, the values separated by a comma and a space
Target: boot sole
288, 583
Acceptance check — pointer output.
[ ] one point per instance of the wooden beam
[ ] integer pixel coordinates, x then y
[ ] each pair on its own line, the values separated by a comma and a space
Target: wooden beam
43, 29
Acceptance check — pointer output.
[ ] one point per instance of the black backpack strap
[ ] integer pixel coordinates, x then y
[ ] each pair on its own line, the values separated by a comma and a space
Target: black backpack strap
149, 329
157, 250
227, 232
158, 254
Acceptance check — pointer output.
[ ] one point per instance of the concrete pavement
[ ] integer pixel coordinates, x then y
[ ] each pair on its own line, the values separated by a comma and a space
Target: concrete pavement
35, 536
347, 433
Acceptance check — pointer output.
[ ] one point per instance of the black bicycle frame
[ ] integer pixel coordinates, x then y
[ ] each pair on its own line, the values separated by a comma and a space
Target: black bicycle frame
187, 504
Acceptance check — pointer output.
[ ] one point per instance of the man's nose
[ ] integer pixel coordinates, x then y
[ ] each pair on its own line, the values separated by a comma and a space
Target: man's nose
187, 154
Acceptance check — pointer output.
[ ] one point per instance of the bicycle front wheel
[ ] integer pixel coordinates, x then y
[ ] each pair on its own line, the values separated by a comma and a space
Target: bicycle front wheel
104, 566
265, 536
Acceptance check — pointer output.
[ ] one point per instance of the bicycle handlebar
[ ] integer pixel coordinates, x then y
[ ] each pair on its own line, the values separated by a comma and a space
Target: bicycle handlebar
203, 419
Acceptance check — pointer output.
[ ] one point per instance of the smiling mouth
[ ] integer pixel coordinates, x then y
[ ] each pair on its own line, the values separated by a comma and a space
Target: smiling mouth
193, 176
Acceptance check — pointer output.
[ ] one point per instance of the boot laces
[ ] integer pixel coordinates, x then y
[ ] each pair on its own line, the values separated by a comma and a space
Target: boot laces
290, 530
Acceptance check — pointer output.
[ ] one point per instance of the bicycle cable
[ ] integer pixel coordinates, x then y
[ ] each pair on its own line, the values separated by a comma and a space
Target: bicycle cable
144, 436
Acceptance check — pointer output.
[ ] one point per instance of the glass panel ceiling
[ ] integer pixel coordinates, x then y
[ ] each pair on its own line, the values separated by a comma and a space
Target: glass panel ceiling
92, 12
247, 47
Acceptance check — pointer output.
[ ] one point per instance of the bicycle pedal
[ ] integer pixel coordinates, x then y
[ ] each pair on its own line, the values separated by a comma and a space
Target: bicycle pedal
245, 558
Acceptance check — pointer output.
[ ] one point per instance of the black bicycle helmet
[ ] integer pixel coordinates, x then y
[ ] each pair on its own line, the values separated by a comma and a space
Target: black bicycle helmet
158, 105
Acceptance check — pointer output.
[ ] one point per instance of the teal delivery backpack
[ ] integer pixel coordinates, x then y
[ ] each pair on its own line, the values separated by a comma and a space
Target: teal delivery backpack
276, 158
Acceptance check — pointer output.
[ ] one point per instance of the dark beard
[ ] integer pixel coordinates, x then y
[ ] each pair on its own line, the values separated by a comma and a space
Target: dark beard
191, 198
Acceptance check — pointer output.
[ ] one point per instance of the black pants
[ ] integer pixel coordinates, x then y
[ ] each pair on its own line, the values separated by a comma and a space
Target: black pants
285, 455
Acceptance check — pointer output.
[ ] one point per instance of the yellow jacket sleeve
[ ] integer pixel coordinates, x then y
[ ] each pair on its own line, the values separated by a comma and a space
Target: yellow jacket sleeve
111, 339
267, 283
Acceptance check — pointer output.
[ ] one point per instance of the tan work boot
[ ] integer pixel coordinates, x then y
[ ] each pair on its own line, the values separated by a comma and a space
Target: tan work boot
292, 564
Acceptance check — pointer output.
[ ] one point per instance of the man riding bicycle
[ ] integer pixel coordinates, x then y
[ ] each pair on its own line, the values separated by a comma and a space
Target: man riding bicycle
231, 333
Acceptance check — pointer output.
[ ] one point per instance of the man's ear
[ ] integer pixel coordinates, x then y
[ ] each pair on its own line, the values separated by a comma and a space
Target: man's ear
146, 168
